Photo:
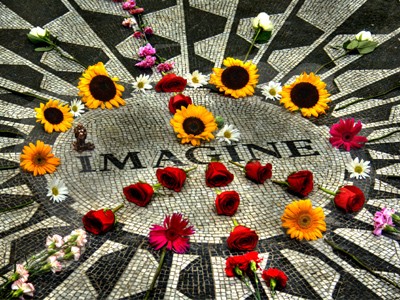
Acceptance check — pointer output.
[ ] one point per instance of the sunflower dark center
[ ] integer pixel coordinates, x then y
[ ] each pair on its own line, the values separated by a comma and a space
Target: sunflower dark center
235, 77
171, 234
193, 126
102, 88
304, 95
304, 221
53, 115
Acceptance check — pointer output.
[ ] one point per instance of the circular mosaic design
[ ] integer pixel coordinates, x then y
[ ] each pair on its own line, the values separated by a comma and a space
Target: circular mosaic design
133, 141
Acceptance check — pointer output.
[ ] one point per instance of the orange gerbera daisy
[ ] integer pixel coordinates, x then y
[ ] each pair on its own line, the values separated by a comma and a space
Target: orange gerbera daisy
38, 159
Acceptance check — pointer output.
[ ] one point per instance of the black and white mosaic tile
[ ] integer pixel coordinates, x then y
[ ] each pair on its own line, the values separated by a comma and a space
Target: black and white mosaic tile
134, 140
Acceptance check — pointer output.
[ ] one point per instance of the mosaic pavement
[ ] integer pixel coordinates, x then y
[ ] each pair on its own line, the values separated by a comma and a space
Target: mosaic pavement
199, 34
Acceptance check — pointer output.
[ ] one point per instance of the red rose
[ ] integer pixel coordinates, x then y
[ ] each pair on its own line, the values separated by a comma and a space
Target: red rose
301, 183
172, 178
350, 198
218, 175
278, 276
258, 173
177, 101
171, 83
232, 262
99, 221
227, 203
139, 193
242, 239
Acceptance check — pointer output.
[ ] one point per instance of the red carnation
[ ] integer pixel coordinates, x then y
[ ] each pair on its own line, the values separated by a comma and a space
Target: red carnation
139, 193
241, 264
177, 101
242, 239
217, 175
171, 83
274, 278
227, 203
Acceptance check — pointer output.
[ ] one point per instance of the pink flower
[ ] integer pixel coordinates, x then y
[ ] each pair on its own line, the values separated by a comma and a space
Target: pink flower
20, 287
22, 272
148, 30
54, 241
146, 50
174, 234
344, 134
383, 218
130, 4
129, 22
79, 236
165, 67
136, 11
138, 35
147, 62
54, 264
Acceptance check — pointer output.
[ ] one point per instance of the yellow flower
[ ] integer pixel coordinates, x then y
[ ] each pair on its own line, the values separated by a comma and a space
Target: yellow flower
54, 116
98, 89
38, 159
307, 94
237, 80
193, 124
302, 221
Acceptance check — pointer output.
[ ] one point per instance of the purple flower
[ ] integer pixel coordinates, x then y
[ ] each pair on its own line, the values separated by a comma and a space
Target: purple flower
146, 50
130, 4
147, 62
165, 67
148, 30
382, 219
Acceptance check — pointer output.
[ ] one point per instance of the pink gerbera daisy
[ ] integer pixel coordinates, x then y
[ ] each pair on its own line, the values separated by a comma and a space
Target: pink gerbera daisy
174, 234
344, 134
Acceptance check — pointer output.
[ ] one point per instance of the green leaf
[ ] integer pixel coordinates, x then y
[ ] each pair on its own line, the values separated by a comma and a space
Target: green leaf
366, 50
352, 45
263, 37
44, 49
345, 44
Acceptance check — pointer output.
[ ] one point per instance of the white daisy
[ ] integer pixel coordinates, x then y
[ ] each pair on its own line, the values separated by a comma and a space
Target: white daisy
272, 90
196, 79
228, 134
358, 169
57, 190
142, 83
77, 107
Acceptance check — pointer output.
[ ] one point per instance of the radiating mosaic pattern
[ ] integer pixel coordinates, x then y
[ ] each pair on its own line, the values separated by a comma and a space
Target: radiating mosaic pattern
133, 141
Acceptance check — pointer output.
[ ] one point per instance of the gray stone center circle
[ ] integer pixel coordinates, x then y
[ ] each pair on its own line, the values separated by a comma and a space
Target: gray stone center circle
142, 127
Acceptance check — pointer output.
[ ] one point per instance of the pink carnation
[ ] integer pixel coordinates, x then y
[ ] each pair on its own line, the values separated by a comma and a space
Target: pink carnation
165, 67
345, 133
146, 50
138, 35
21, 287
129, 22
136, 11
147, 62
381, 219
130, 4
148, 30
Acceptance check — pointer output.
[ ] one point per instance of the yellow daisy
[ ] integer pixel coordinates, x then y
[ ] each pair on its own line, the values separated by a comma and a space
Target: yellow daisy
237, 80
193, 124
38, 159
98, 89
54, 116
302, 221
307, 94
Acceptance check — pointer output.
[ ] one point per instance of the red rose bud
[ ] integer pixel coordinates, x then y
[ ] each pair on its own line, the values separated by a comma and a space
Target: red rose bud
350, 198
139, 193
274, 278
301, 183
242, 239
258, 173
217, 175
227, 203
172, 178
100, 221
177, 101
171, 83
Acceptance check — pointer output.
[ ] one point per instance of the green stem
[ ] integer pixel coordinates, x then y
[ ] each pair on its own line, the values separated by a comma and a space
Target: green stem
218, 191
190, 169
158, 271
16, 207
237, 164
252, 44
370, 97
67, 56
284, 183
361, 263
258, 296
235, 222
114, 210
329, 62
243, 279
382, 137
327, 191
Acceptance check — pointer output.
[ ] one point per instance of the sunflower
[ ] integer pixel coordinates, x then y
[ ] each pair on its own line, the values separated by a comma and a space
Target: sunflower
38, 159
98, 89
303, 221
307, 94
193, 124
237, 80
54, 116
